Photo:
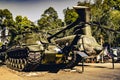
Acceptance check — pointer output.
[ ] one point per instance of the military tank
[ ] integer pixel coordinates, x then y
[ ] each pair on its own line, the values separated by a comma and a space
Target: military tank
30, 52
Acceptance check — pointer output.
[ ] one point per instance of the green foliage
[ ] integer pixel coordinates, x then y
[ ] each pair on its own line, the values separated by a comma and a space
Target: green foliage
51, 13
7, 14
70, 15
6, 20
19, 26
18, 19
104, 13
49, 20
115, 19
5, 17
113, 4
23, 24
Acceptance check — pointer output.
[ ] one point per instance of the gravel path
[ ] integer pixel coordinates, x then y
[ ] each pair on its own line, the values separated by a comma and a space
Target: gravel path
93, 71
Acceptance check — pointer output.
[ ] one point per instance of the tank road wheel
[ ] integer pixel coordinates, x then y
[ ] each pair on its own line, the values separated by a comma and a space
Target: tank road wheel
18, 61
6, 62
15, 65
10, 59
19, 67
24, 61
22, 66
21, 61
10, 62
73, 61
15, 61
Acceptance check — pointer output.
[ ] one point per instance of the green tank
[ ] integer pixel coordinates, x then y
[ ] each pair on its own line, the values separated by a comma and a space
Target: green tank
31, 51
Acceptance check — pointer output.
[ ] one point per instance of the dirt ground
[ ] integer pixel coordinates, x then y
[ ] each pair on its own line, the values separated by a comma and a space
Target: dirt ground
92, 71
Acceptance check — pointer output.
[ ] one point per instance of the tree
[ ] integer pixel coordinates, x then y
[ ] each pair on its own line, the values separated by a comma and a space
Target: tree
103, 13
115, 24
6, 21
70, 15
17, 27
49, 20
115, 4
23, 24
5, 18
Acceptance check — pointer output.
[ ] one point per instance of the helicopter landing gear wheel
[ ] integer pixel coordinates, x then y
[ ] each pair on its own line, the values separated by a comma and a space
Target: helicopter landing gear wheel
73, 60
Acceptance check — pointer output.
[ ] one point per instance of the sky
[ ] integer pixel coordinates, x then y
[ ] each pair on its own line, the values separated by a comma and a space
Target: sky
34, 8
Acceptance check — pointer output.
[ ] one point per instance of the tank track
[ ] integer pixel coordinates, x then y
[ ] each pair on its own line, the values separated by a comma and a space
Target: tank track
17, 59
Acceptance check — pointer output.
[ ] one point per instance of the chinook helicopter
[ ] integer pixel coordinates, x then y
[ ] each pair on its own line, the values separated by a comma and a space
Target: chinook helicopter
82, 39
33, 48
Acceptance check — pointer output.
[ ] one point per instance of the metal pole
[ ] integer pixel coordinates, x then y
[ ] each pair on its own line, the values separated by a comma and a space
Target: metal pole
82, 64
102, 58
113, 62
101, 42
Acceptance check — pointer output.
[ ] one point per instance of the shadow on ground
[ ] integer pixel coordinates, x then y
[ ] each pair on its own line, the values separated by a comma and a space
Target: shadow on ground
50, 68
